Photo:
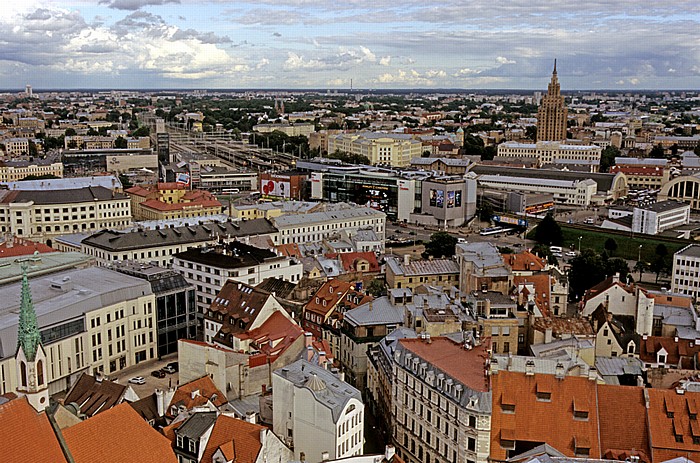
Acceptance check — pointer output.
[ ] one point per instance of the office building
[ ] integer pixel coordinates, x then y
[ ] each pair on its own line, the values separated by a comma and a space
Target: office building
317, 226
552, 114
388, 149
685, 278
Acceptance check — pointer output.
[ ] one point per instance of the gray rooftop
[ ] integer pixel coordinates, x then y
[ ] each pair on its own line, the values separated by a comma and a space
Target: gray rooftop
604, 181
327, 389
41, 264
377, 312
422, 267
106, 181
65, 296
664, 206
62, 196
115, 241
692, 250
196, 425
285, 221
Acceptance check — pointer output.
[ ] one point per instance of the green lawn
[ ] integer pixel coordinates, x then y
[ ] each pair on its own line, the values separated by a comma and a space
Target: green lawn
627, 246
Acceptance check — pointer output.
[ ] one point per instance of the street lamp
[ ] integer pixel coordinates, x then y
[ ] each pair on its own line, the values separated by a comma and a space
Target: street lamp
639, 256
579, 244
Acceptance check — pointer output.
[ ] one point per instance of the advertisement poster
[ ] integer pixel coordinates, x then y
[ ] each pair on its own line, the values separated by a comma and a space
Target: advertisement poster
450, 199
458, 199
433, 197
440, 198
276, 188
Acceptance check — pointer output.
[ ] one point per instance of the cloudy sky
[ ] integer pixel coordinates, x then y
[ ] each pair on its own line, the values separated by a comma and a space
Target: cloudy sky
599, 44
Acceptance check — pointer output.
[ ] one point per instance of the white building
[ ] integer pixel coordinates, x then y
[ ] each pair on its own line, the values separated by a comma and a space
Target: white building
686, 271
317, 226
91, 320
380, 148
574, 192
442, 402
209, 268
43, 214
317, 412
650, 220
552, 152
161, 243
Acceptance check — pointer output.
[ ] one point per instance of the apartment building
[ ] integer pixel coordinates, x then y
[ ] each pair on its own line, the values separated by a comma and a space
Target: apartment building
316, 412
389, 149
317, 226
160, 244
208, 268
164, 201
442, 402
91, 320
12, 171
411, 274
43, 214
685, 277
16, 146
552, 152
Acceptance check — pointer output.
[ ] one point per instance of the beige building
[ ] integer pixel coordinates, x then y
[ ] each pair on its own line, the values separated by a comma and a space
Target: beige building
553, 152
16, 146
411, 274
441, 401
91, 320
164, 201
42, 214
380, 148
292, 130
552, 113
12, 171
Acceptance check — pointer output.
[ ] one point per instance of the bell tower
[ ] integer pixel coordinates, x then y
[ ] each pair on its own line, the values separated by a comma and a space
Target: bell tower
32, 379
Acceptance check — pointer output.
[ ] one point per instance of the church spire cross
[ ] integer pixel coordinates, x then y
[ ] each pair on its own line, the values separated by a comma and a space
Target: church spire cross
28, 337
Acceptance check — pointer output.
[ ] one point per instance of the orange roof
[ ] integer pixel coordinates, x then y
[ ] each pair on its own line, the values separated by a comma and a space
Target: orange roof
22, 247
682, 351
327, 297
118, 435
289, 250
26, 435
532, 419
524, 262
466, 366
206, 390
238, 439
349, 260
163, 206
542, 284
278, 330
669, 417
623, 426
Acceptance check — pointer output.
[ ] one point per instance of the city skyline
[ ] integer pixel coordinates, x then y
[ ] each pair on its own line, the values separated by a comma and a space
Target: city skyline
161, 44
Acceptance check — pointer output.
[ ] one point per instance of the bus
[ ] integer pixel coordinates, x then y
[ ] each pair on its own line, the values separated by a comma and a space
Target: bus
492, 231
228, 191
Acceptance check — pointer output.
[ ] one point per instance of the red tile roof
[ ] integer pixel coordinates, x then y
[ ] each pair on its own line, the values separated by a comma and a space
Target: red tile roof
118, 435
537, 421
681, 352
327, 297
289, 250
623, 424
204, 390
350, 261
22, 247
466, 366
524, 261
26, 435
240, 305
238, 439
543, 285
273, 337
673, 424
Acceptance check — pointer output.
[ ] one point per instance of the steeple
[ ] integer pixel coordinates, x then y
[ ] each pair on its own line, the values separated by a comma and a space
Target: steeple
28, 337
555, 67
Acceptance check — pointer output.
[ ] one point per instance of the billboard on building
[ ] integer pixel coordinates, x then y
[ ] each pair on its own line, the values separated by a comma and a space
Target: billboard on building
437, 198
450, 199
458, 198
276, 187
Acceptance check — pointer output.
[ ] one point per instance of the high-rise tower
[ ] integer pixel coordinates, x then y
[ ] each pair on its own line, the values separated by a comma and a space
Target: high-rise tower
552, 113
30, 358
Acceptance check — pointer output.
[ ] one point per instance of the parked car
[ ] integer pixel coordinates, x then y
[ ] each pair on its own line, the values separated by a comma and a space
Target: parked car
168, 369
174, 366
137, 380
571, 254
158, 373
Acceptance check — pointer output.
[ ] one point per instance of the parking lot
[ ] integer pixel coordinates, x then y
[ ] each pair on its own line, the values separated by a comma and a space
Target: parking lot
144, 369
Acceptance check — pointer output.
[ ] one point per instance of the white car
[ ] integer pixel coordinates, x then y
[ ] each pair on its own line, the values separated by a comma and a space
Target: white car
571, 254
137, 380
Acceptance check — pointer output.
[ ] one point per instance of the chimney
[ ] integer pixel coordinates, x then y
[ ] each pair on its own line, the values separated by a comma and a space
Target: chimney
160, 402
308, 339
559, 372
250, 417
592, 374
309, 353
529, 368
406, 259
548, 335
262, 437
194, 393
389, 452
616, 277
675, 339
325, 456
322, 358
493, 366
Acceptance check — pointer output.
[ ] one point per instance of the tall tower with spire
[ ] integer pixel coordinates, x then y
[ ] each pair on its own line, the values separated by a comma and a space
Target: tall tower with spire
30, 357
552, 113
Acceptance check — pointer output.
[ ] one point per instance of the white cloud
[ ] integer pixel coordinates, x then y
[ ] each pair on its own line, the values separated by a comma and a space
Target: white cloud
385, 61
504, 60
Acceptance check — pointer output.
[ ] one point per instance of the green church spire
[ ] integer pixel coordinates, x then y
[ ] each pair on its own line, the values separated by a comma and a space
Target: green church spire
28, 337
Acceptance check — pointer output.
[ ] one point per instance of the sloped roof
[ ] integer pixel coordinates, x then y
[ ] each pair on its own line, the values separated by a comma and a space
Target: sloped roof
240, 305
680, 353
625, 429
669, 416
205, 391
349, 260
273, 337
93, 396
328, 296
26, 435
524, 261
22, 247
234, 436
118, 435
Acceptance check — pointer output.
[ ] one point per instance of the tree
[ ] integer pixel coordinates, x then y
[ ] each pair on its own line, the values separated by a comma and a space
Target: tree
120, 142
485, 212
546, 253
607, 158
376, 288
142, 131
33, 151
505, 250
657, 152
441, 244
610, 246
531, 132
640, 267
587, 270
71, 132
548, 231
661, 250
